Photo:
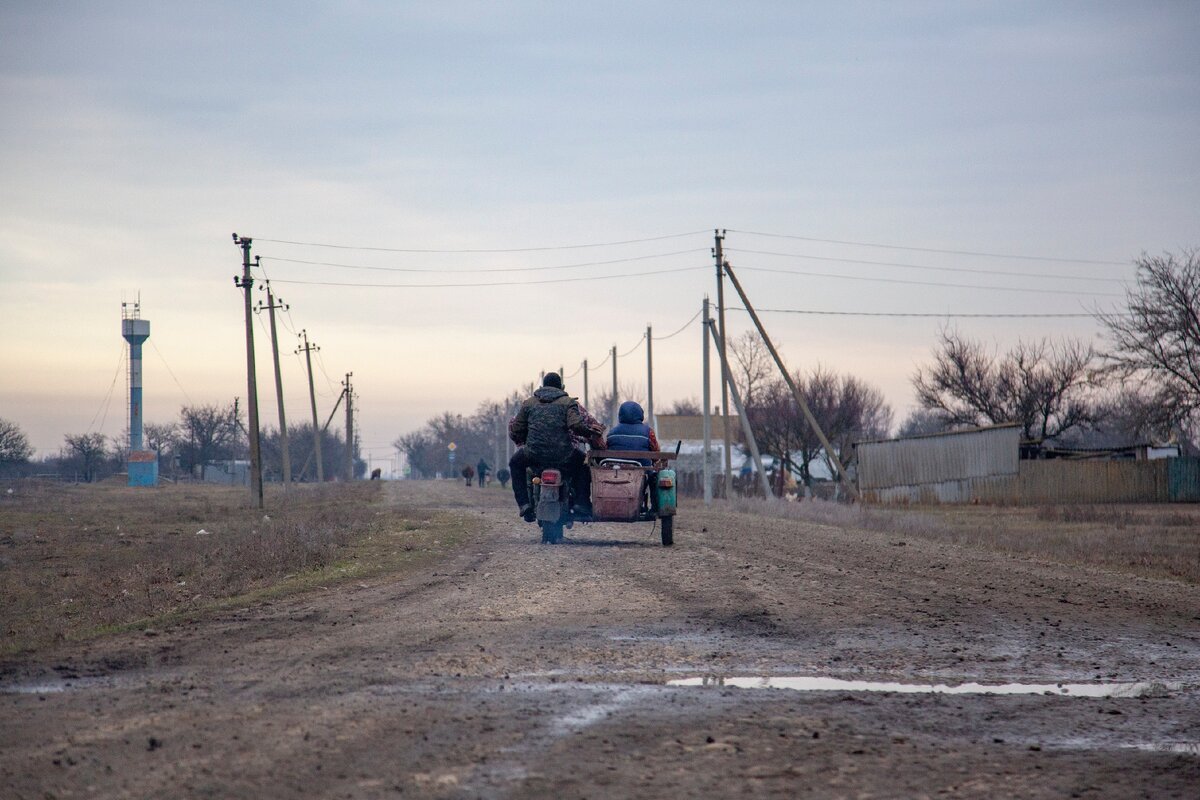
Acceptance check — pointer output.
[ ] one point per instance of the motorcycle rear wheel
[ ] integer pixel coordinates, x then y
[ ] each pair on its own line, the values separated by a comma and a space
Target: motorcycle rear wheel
552, 532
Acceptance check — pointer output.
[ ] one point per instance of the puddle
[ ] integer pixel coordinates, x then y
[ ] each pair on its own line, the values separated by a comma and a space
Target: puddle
52, 687
1184, 748
1138, 689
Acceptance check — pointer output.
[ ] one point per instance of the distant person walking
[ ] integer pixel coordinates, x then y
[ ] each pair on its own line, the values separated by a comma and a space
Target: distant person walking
468, 472
482, 469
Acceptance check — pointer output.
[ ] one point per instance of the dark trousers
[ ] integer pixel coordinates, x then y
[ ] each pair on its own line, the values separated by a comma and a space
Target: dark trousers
575, 470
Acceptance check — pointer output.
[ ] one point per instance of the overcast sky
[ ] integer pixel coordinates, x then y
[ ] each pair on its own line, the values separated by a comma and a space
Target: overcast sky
136, 137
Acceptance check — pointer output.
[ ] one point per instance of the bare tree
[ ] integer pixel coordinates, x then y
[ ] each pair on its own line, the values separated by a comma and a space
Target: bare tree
602, 402
424, 454
751, 367
161, 436
921, 421
1042, 386
87, 452
859, 413
1133, 414
14, 444
207, 433
1156, 342
846, 407
686, 406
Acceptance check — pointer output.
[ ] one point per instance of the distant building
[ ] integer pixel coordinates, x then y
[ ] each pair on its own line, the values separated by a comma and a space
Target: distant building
227, 473
992, 465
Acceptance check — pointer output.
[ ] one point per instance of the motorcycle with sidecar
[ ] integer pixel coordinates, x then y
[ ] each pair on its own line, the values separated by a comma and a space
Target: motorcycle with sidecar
623, 490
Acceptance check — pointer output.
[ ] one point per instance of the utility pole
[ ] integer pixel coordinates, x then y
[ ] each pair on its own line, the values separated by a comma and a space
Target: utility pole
284, 456
349, 429
706, 393
496, 431
718, 253
748, 432
585, 383
650, 380
246, 283
808, 415
324, 428
508, 442
614, 396
312, 397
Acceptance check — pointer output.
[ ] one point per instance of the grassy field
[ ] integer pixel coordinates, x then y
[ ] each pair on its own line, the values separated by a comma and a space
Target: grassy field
1155, 541
78, 560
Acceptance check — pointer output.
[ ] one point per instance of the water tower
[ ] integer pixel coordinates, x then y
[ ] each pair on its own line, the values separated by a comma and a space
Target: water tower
143, 463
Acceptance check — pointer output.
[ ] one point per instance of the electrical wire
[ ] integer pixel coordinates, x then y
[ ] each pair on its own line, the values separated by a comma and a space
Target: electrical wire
685, 326
258, 316
286, 320
107, 401
906, 314
288, 323
484, 250
171, 372
485, 285
469, 270
928, 283
573, 374
635, 347
329, 380
602, 363
1042, 276
931, 249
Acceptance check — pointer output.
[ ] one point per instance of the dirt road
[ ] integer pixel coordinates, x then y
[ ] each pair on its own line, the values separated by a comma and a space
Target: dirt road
513, 669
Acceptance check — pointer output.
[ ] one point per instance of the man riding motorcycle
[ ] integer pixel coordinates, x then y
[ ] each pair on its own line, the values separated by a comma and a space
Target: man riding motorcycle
548, 426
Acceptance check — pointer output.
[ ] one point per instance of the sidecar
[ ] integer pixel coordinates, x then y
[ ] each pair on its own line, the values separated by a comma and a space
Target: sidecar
626, 490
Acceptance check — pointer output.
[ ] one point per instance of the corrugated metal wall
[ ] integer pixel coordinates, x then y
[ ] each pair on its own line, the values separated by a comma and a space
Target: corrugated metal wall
942, 459
1060, 481
1184, 479
984, 466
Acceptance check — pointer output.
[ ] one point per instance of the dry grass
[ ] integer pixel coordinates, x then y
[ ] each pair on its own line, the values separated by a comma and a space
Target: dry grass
77, 560
1147, 540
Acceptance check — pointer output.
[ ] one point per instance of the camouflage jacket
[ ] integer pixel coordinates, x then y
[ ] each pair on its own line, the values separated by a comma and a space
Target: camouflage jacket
550, 423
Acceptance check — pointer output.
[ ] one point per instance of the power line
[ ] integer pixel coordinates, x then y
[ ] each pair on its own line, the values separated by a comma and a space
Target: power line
685, 326
469, 270
485, 285
906, 314
635, 347
104, 404
329, 380
927, 283
932, 249
171, 372
484, 250
592, 368
288, 323
578, 370
1043, 276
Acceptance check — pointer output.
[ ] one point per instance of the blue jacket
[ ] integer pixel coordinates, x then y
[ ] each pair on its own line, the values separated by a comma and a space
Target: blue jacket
631, 433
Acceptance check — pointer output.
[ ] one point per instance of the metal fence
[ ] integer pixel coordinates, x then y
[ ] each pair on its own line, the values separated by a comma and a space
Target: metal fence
1168, 480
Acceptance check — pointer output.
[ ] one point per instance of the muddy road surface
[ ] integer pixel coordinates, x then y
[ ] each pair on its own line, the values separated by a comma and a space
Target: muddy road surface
506, 668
